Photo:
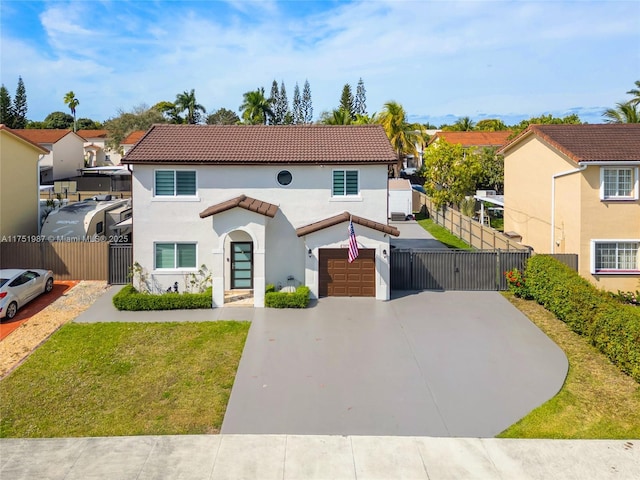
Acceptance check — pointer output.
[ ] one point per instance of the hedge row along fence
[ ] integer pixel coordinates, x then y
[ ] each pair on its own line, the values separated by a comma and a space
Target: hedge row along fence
130, 299
612, 327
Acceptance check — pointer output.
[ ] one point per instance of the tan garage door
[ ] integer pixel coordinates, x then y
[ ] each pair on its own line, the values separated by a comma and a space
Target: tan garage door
339, 278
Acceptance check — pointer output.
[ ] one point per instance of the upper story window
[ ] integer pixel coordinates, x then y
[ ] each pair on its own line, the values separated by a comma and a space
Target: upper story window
345, 183
611, 256
175, 183
618, 183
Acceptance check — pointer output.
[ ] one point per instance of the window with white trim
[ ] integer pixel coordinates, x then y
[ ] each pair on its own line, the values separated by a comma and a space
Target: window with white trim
615, 256
345, 183
618, 183
175, 183
175, 255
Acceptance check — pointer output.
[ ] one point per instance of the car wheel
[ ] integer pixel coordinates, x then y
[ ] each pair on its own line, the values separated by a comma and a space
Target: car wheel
12, 309
49, 285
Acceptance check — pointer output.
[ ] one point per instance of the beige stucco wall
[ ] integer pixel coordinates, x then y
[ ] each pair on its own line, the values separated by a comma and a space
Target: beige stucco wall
18, 187
66, 156
580, 215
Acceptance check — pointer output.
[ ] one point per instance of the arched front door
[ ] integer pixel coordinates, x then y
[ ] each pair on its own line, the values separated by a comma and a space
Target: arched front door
241, 265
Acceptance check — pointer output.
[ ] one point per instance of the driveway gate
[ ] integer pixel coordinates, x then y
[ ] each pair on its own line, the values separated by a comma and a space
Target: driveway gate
426, 269
120, 262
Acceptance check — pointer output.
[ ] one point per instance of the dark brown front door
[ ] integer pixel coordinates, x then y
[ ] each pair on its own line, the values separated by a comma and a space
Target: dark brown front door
241, 265
339, 278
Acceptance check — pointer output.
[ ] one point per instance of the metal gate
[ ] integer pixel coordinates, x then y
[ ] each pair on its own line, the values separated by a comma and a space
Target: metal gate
425, 269
120, 262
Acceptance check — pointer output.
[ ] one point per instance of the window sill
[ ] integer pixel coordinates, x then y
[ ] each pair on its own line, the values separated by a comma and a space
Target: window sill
619, 200
616, 272
175, 199
348, 198
159, 271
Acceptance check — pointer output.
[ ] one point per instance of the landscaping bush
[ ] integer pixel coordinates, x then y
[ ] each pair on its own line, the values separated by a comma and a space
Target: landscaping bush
517, 284
611, 327
130, 299
297, 299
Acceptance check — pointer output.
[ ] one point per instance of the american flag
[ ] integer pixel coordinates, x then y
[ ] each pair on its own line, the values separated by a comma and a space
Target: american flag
353, 243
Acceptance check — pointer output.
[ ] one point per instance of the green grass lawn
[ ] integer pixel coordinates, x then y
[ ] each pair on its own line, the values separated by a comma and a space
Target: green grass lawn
111, 379
441, 233
597, 399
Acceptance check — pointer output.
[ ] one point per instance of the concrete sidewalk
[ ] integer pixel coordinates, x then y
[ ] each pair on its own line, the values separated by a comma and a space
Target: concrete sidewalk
280, 457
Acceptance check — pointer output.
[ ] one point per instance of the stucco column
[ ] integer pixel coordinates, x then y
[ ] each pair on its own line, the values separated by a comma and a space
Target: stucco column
218, 277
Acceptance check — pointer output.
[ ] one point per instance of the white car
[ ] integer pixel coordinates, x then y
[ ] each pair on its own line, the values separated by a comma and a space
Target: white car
18, 287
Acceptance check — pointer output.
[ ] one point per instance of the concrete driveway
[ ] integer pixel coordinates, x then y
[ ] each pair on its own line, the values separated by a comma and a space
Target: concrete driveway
447, 364
412, 235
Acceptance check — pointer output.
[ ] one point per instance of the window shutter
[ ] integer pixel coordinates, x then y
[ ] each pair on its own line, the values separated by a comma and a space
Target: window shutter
186, 255
352, 182
185, 183
164, 182
165, 255
338, 182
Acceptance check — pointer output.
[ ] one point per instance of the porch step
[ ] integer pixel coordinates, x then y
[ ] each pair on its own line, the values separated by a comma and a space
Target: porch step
238, 298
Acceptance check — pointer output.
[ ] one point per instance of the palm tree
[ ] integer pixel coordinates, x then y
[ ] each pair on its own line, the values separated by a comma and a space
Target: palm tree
625, 112
636, 94
187, 101
402, 135
464, 124
72, 102
256, 108
338, 116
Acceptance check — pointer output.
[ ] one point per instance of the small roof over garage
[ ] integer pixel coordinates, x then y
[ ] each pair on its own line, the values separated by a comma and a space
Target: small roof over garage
344, 217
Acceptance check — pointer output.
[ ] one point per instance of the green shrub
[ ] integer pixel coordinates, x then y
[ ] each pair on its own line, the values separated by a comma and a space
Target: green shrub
130, 299
611, 327
297, 299
270, 288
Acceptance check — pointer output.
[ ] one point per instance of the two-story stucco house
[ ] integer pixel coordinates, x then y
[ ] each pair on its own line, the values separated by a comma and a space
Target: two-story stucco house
263, 205
19, 182
66, 152
574, 189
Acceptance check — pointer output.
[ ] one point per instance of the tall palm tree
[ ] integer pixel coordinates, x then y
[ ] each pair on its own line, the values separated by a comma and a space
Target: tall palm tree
625, 112
187, 101
256, 108
401, 134
72, 102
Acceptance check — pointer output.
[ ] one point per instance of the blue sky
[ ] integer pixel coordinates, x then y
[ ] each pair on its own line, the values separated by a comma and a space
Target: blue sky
440, 59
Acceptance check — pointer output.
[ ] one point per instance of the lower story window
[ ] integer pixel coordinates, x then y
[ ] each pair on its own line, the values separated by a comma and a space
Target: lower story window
615, 256
175, 255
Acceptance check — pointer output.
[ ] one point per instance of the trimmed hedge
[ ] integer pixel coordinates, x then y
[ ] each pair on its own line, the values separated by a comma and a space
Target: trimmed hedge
130, 299
612, 327
297, 299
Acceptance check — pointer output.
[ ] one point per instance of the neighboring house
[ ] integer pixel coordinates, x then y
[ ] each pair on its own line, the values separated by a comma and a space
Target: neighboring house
263, 205
133, 138
66, 153
19, 184
574, 189
473, 139
97, 153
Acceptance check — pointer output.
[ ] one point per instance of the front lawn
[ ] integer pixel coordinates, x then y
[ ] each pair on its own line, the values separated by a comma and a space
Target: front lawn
597, 399
110, 379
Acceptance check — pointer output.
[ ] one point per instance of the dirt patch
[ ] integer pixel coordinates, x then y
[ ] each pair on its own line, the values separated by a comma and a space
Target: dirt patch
27, 337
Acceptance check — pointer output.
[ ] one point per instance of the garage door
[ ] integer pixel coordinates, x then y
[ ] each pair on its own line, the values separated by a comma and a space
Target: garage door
339, 278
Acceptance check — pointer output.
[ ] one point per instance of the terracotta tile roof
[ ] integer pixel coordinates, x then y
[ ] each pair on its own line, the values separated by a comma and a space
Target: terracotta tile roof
248, 203
43, 135
344, 217
86, 134
23, 138
588, 143
260, 144
399, 184
133, 137
473, 139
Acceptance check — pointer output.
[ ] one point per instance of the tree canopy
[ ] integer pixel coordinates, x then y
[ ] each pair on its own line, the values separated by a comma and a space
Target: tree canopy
402, 135
222, 116
72, 102
451, 173
140, 118
186, 102
625, 112
58, 120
